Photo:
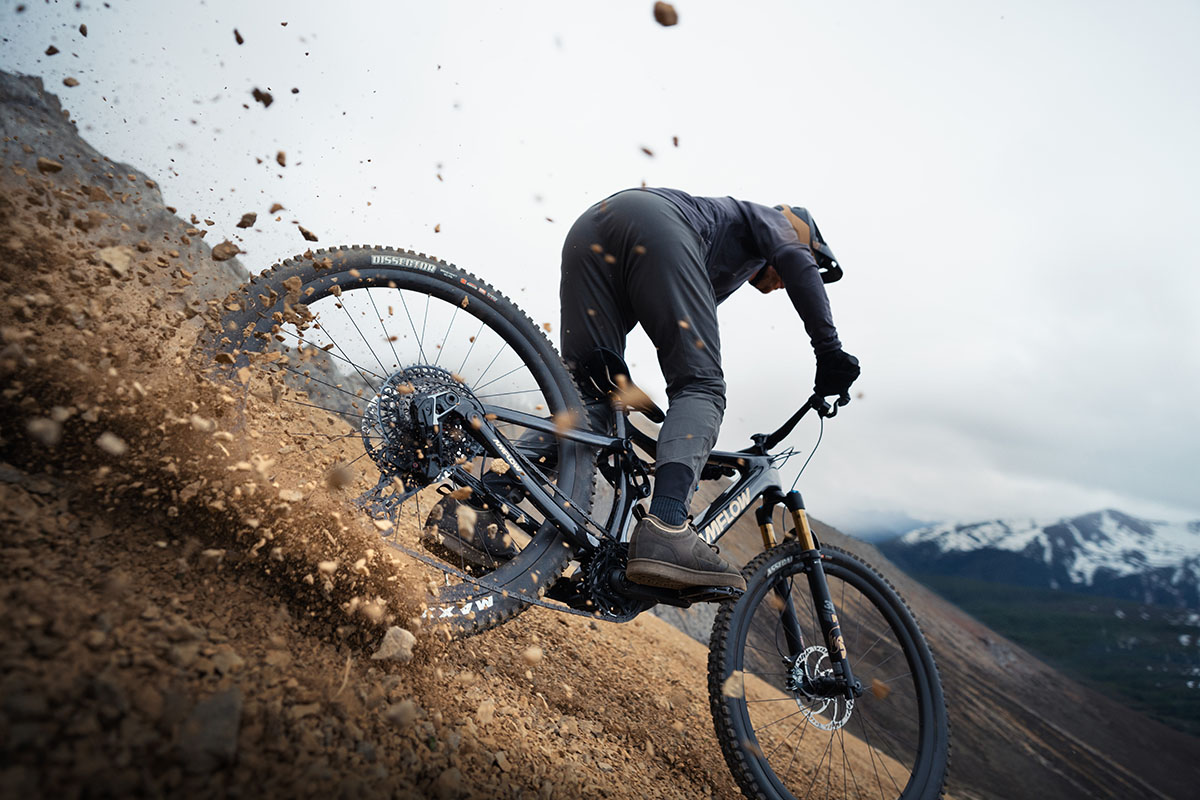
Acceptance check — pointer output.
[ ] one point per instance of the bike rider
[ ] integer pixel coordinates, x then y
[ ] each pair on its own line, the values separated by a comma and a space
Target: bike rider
665, 259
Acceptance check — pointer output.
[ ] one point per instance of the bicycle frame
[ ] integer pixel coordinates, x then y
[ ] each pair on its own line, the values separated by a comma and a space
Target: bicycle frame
757, 479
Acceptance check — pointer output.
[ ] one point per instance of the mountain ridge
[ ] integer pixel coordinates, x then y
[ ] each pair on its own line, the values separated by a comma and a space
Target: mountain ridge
1108, 552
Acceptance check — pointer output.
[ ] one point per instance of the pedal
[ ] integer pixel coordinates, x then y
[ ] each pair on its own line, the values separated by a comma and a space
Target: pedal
710, 594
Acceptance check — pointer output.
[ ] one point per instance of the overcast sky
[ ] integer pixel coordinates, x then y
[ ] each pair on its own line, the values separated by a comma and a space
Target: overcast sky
1012, 188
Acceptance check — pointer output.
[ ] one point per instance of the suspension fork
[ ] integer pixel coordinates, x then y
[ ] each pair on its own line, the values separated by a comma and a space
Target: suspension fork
826, 612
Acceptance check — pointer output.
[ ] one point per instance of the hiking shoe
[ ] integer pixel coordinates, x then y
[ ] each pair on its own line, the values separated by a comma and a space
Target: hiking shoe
675, 557
461, 532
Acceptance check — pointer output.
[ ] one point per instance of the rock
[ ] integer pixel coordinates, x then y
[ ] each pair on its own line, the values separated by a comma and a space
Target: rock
449, 784
306, 710
665, 14
486, 711
247, 220
532, 655
278, 658
184, 655
225, 660
735, 685
45, 430
208, 737
225, 251
47, 166
117, 259
112, 444
307, 234
401, 714
397, 645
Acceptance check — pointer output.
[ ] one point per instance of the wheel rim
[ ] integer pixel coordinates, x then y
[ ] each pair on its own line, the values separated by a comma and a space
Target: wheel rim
346, 345
806, 746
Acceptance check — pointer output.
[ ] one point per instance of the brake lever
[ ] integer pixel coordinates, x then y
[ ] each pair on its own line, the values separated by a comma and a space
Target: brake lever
826, 410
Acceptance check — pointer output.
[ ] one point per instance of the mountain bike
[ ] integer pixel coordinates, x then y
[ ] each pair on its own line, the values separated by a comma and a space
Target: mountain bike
820, 679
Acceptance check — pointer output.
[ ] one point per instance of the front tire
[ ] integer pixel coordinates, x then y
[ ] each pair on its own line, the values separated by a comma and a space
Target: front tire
891, 742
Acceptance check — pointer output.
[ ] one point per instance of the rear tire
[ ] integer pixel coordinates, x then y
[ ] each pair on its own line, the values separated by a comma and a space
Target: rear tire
349, 318
892, 742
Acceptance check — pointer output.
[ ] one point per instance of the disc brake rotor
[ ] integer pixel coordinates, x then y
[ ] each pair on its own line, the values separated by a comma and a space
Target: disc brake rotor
397, 443
826, 713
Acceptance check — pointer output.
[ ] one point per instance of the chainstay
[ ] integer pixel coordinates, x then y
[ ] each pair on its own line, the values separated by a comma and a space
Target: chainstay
497, 587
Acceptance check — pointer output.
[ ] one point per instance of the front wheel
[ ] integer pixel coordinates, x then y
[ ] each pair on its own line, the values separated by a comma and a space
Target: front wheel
782, 735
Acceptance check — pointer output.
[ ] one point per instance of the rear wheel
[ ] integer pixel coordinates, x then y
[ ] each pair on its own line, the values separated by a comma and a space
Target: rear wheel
782, 737
347, 338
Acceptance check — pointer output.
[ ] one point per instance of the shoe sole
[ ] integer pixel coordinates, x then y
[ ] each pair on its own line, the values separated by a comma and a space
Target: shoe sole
666, 575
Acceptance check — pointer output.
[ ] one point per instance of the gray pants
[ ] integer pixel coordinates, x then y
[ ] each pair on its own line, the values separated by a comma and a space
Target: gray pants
634, 259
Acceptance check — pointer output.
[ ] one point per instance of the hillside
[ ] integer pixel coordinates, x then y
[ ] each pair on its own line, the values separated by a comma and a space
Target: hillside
184, 612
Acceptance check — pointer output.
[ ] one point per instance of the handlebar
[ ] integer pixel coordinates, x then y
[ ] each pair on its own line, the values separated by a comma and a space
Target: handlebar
764, 442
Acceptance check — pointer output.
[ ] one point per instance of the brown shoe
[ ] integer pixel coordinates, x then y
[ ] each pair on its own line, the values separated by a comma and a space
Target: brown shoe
675, 557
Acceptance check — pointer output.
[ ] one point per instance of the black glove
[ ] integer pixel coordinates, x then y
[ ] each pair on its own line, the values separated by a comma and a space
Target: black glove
836, 370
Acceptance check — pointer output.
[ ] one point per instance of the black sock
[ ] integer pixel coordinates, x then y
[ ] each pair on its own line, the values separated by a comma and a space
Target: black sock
669, 510
672, 485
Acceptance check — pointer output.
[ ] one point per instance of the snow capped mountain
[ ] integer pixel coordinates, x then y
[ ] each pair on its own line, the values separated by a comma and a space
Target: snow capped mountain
1106, 552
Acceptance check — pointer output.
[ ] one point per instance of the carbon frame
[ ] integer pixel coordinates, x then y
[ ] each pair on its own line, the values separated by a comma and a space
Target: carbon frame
756, 478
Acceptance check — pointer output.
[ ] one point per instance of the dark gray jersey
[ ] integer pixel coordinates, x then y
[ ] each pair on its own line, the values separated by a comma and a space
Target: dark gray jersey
741, 238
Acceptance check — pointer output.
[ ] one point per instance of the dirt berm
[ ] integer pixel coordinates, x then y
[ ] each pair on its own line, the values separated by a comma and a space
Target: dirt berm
186, 609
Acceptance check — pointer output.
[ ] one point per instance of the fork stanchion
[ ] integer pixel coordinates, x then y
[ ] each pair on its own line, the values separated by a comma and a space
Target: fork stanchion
795, 505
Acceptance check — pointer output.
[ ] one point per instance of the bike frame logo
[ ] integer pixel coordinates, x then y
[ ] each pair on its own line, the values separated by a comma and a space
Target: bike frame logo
723, 520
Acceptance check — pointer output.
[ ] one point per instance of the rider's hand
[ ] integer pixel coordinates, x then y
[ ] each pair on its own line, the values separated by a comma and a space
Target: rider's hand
836, 370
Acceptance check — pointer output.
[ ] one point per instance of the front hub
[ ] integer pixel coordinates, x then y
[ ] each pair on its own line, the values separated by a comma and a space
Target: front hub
818, 694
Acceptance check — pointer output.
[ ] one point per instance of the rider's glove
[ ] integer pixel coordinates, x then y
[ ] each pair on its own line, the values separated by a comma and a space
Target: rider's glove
836, 370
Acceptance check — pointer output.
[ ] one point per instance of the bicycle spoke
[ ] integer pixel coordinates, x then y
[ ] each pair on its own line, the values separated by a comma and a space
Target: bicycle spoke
335, 387
475, 386
419, 339
387, 337
501, 377
442, 346
353, 322
357, 368
471, 349
302, 341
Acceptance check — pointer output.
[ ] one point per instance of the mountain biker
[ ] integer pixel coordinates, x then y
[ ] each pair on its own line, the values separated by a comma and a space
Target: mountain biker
664, 259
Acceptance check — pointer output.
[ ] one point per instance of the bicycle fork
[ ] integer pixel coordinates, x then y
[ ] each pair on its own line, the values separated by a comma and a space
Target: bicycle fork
841, 680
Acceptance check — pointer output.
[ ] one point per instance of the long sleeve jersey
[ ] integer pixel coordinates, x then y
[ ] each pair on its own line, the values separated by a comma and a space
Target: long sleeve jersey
741, 238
